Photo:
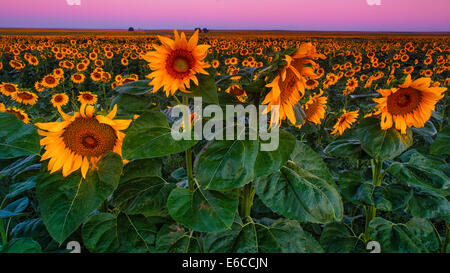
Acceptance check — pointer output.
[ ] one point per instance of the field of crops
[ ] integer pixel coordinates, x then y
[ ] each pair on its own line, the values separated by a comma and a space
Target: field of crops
87, 153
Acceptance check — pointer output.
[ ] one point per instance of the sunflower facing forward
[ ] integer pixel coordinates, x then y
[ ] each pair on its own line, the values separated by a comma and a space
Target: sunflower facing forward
410, 104
176, 62
79, 141
344, 122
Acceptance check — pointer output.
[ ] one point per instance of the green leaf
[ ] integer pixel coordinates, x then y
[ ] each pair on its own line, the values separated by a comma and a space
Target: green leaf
206, 89
203, 210
15, 208
395, 238
427, 130
65, 203
21, 245
17, 138
146, 195
140, 169
105, 232
382, 144
345, 147
226, 164
286, 236
303, 190
441, 145
241, 238
130, 104
423, 229
150, 136
17, 189
34, 229
134, 88
301, 196
336, 238
269, 162
421, 176
173, 239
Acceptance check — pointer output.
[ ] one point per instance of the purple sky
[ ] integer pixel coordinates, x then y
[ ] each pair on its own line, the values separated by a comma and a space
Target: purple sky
328, 15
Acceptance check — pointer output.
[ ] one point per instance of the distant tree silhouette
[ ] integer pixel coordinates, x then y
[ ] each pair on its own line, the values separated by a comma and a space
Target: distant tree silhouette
205, 30
131, 29
199, 29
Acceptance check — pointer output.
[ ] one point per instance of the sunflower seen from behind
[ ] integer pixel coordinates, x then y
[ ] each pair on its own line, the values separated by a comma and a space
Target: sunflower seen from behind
80, 140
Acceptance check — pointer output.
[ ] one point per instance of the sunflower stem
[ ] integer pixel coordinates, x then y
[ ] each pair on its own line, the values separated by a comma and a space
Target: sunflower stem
2, 228
377, 177
189, 158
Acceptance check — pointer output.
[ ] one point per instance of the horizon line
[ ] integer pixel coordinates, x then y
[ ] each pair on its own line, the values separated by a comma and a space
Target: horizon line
226, 29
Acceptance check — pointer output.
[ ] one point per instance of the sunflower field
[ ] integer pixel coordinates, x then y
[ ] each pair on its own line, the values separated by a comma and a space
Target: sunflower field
87, 155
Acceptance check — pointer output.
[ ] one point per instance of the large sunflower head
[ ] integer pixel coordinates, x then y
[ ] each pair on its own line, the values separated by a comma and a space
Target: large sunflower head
409, 104
176, 62
79, 141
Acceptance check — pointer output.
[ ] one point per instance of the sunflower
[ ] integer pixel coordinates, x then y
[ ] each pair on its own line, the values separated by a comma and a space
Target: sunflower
59, 100
8, 88
288, 87
20, 114
315, 108
50, 81
311, 84
87, 98
77, 78
350, 86
25, 97
344, 122
176, 62
410, 104
81, 140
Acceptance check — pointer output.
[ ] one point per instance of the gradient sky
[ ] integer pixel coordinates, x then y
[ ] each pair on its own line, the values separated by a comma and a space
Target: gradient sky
327, 15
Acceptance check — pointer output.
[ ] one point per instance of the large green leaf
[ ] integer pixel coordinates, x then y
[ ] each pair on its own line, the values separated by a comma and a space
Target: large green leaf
146, 195
65, 203
268, 162
15, 208
140, 169
422, 176
226, 164
241, 238
17, 138
382, 144
134, 88
173, 239
286, 236
303, 190
345, 147
395, 238
105, 232
21, 245
34, 229
203, 210
423, 229
336, 238
150, 136
441, 145
206, 89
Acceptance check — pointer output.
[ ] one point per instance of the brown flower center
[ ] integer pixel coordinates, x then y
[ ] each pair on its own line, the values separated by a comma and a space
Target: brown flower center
88, 137
404, 101
179, 62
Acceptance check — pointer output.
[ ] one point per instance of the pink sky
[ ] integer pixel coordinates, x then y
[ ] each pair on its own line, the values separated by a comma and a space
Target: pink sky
338, 15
